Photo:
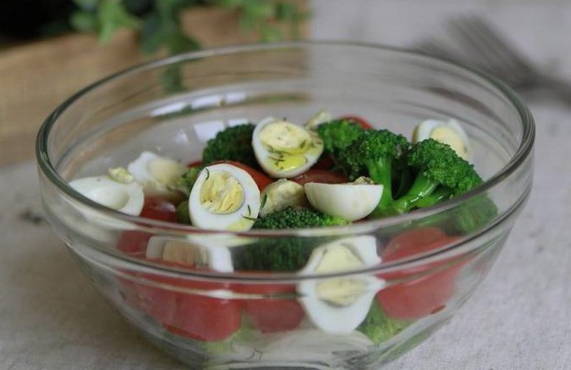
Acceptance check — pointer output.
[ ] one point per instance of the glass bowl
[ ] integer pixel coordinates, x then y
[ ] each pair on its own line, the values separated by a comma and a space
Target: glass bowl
252, 299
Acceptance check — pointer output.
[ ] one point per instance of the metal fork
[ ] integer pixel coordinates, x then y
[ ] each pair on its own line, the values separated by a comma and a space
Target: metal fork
479, 45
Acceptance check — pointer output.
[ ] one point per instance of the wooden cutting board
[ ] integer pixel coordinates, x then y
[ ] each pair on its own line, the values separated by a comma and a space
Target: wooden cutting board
36, 77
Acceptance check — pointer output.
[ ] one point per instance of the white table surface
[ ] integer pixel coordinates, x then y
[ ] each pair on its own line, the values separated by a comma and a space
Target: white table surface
520, 317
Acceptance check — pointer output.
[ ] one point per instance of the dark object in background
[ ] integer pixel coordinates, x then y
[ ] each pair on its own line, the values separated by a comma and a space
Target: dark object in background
26, 19
139, 7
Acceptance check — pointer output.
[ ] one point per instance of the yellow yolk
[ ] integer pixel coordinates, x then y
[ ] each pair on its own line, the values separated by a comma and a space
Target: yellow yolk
339, 291
287, 162
180, 252
221, 193
282, 136
288, 145
448, 136
242, 224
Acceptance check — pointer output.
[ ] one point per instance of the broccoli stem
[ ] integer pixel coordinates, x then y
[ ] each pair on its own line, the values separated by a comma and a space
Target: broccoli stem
420, 189
404, 178
437, 196
380, 171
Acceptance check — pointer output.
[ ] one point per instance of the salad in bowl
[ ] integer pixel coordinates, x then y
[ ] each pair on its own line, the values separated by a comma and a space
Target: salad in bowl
316, 240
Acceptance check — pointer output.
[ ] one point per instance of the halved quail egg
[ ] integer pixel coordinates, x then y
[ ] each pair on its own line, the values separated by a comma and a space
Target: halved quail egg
284, 149
224, 197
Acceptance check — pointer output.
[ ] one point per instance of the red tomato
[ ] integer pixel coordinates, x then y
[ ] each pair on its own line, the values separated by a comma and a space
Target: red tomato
261, 179
192, 315
424, 295
134, 243
274, 315
413, 242
159, 208
322, 176
159, 303
206, 318
194, 164
324, 163
270, 315
360, 121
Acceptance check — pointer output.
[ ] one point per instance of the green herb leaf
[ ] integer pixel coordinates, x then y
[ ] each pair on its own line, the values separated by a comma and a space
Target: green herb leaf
84, 21
112, 16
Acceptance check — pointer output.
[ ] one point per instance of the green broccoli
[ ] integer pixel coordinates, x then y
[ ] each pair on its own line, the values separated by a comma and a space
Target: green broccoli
182, 213
186, 181
374, 155
284, 254
232, 144
338, 134
297, 218
440, 175
378, 327
474, 214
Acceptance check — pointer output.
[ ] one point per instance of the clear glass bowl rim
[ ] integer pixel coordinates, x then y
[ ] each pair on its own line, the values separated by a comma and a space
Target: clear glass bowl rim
162, 227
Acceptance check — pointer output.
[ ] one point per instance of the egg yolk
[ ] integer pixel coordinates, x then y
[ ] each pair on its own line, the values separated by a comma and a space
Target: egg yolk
448, 136
285, 137
289, 145
221, 193
180, 252
339, 291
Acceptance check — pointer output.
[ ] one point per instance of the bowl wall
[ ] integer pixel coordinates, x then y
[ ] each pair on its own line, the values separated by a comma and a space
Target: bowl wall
263, 315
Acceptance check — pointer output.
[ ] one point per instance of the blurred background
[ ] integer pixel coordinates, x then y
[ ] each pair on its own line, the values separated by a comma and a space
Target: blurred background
51, 48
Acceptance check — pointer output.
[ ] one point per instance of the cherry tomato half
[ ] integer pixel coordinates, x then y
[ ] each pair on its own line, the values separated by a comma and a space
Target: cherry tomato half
324, 163
191, 315
194, 164
261, 179
206, 318
360, 121
134, 243
271, 315
321, 176
418, 297
159, 208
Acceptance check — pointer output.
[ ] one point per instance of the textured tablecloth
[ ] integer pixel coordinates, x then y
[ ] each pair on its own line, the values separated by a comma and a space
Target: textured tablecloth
520, 317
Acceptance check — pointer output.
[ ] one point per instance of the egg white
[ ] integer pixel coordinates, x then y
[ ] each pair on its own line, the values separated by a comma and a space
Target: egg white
125, 198
240, 220
319, 118
263, 154
337, 319
212, 251
141, 170
426, 128
349, 201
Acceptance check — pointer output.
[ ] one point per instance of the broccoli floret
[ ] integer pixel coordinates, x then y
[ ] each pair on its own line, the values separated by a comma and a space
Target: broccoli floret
285, 254
182, 213
378, 327
471, 216
232, 144
440, 174
475, 214
186, 181
338, 134
297, 218
375, 154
